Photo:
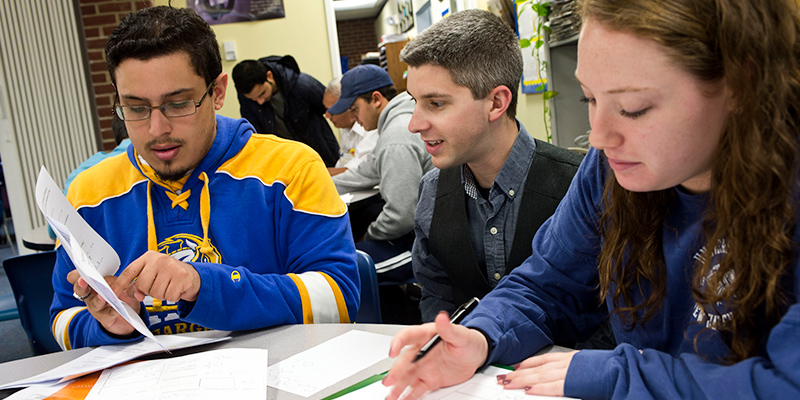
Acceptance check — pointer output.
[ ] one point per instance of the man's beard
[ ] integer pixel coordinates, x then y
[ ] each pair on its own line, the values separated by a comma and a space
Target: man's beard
171, 175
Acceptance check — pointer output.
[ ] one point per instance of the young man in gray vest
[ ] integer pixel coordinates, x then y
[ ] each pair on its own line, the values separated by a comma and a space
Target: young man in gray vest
495, 185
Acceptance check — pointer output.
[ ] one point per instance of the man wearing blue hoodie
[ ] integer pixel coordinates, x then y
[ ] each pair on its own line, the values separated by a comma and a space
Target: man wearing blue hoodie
216, 227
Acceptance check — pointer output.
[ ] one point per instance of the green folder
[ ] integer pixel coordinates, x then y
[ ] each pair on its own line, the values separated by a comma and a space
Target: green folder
374, 378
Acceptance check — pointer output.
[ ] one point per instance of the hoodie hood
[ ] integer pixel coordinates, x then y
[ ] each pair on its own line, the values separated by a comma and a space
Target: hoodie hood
402, 104
231, 136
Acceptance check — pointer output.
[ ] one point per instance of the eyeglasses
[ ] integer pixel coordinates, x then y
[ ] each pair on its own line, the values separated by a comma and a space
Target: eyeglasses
171, 110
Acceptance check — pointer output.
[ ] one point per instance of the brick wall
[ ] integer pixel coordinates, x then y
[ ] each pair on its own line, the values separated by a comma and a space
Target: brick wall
356, 37
100, 17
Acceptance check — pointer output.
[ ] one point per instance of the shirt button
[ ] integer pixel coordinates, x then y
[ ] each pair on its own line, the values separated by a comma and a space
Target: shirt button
493, 231
497, 276
511, 192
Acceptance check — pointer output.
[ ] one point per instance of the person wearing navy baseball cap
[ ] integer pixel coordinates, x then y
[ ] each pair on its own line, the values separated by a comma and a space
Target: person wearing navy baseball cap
398, 162
360, 80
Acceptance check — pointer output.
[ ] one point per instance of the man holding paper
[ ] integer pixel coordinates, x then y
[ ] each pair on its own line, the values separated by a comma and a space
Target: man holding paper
216, 227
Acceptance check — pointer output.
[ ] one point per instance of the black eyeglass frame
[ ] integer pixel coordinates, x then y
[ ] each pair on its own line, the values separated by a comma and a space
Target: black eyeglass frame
120, 109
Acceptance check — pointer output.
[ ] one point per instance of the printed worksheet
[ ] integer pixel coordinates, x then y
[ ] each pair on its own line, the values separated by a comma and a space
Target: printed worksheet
92, 255
218, 374
482, 386
110, 355
56, 207
321, 366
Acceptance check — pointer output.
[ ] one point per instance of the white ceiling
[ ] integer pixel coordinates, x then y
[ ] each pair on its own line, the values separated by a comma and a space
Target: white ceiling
356, 9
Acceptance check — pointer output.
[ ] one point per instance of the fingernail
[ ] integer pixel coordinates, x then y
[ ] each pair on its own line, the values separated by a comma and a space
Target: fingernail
501, 376
526, 388
506, 381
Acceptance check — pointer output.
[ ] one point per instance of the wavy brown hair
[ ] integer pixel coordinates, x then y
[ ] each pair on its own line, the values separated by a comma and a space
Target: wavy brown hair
753, 48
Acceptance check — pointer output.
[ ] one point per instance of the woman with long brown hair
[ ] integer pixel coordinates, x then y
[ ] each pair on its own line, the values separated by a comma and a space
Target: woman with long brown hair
681, 224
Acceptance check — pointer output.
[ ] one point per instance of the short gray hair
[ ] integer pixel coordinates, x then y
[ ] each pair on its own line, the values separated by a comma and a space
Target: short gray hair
335, 87
478, 49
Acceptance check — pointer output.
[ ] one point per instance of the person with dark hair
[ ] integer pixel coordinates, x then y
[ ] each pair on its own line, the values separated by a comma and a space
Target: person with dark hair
216, 227
279, 99
495, 185
355, 142
681, 223
397, 164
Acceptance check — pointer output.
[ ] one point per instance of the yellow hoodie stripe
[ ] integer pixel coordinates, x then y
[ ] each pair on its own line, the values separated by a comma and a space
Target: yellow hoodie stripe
272, 159
308, 316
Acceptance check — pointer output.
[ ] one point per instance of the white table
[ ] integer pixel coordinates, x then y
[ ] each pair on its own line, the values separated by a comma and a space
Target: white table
38, 239
282, 342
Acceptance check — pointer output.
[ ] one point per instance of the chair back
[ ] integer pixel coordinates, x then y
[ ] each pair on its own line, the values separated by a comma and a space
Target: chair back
30, 276
370, 310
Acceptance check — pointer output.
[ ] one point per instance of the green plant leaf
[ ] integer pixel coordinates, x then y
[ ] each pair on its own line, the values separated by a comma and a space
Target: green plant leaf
523, 43
547, 95
539, 43
547, 29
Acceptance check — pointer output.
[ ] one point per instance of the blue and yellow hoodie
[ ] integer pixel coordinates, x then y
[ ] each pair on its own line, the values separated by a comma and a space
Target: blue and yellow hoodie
259, 219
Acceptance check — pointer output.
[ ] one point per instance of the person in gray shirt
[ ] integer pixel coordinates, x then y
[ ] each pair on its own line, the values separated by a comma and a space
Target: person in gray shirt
396, 164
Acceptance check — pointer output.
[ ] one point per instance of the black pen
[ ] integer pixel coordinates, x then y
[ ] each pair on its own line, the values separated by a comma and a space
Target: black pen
456, 318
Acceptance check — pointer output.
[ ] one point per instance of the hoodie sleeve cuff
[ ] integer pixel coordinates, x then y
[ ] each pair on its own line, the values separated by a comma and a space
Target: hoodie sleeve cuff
585, 377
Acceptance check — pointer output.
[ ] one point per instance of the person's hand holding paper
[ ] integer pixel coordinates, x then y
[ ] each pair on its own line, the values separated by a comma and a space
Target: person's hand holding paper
108, 309
159, 276
101, 310
95, 262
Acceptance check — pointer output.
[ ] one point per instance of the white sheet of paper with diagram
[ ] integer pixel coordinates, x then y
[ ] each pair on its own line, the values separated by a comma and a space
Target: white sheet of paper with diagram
482, 386
92, 256
228, 373
108, 356
56, 207
99, 284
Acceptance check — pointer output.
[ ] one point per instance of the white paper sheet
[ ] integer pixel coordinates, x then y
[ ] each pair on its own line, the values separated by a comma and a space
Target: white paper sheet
99, 284
56, 207
108, 356
37, 392
323, 365
481, 386
92, 255
218, 374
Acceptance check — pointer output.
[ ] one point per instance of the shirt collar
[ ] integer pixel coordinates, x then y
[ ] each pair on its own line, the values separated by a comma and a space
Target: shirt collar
514, 172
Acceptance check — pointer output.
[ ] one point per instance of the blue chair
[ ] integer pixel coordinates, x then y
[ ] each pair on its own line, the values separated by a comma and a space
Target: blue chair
4, 222
30, 277
8, 307
370, 310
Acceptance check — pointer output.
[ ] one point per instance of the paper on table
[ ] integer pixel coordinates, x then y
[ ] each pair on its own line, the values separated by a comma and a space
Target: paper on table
227, 373
323, 365
56, 207
99, 284
482, 386
110, 355
38, 391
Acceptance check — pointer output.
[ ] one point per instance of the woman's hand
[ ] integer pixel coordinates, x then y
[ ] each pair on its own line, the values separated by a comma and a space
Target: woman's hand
542, 375
454, 360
